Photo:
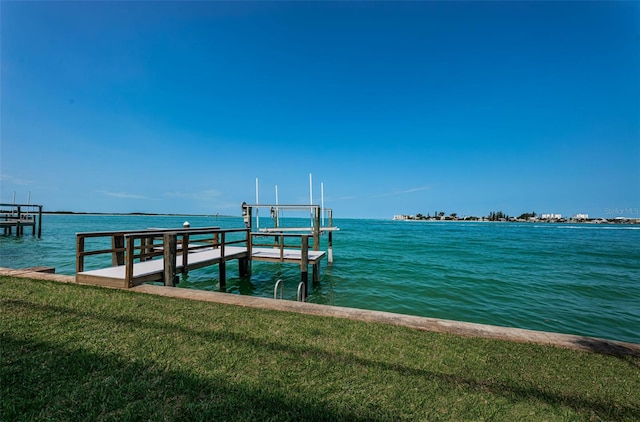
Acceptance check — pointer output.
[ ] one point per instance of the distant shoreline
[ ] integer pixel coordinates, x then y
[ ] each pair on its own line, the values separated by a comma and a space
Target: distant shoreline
138, 214
617, 220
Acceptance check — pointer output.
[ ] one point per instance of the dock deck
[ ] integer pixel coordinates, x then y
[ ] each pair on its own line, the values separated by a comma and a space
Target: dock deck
19, 216
153, 270
159, 255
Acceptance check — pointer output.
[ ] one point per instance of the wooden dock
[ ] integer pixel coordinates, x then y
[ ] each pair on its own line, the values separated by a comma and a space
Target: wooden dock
159, 255
19, 216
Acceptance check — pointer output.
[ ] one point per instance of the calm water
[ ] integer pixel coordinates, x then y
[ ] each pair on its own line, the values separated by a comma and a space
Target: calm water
578, 279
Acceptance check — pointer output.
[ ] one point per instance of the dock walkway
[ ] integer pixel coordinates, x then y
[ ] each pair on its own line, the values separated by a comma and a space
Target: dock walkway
19, 216
153, 270
158, 255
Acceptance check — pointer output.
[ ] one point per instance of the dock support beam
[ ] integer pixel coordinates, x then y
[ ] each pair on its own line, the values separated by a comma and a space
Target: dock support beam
222, 266
39, 221
170, 248
304, 265
244, 264
330, 240
185, 253
244, 267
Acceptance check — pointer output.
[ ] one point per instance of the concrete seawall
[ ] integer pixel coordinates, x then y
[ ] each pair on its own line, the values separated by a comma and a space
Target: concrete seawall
591, 344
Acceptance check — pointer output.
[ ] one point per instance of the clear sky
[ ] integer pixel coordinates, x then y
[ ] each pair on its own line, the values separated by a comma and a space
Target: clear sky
394, 107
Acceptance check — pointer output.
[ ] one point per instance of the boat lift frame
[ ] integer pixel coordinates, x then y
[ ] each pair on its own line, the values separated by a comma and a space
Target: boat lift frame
316, 229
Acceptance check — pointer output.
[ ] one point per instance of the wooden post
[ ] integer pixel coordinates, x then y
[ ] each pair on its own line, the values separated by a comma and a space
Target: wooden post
243, 267
316, 229
244, 264
18, 225
117, 257
128, 269
185, 253
316, 272
330, 240
39, 220
222, 267
146, 247
79, 254
249, 253
281, 246
304, 263
170, 250
216, 240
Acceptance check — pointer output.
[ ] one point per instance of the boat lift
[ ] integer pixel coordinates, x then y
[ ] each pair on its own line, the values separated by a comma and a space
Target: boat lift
315, 229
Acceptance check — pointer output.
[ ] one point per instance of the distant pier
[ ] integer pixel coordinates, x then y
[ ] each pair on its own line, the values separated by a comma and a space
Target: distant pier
19, 216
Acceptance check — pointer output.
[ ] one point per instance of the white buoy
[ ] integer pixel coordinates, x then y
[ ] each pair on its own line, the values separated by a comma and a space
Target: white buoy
186, 224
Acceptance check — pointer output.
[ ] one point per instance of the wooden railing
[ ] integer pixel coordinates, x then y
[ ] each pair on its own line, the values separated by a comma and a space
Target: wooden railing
301, 241
128, 247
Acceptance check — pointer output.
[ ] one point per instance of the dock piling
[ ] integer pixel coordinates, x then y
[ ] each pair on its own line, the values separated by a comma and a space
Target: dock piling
170, 252
304, 264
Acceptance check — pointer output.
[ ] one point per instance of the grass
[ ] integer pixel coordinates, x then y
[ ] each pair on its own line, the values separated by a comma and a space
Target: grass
71, 352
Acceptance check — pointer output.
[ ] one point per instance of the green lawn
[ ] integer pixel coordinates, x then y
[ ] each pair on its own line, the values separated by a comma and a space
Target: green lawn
71, 352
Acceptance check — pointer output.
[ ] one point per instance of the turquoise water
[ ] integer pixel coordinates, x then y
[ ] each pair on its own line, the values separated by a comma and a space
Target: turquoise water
568, 278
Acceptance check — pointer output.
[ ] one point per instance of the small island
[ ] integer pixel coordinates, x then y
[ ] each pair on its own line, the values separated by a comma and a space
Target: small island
532, 217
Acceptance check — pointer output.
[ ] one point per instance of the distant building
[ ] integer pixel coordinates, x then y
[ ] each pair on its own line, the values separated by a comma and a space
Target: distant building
403, 217
551, 216
581, 216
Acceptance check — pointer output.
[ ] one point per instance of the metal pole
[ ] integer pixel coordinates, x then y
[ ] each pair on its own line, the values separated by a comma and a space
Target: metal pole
277, 211
322, 201
257, 208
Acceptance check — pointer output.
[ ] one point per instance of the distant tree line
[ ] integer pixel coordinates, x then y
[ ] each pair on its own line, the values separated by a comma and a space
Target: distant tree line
493, 216
497, 216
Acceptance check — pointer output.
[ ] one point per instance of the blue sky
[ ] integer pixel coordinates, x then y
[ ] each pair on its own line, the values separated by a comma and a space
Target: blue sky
394, 107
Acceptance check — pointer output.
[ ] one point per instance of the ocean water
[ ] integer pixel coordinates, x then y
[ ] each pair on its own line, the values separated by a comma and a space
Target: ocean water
569, 278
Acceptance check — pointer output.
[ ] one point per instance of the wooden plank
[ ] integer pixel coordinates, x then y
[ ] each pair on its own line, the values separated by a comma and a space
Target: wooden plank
153, 270
288, 255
